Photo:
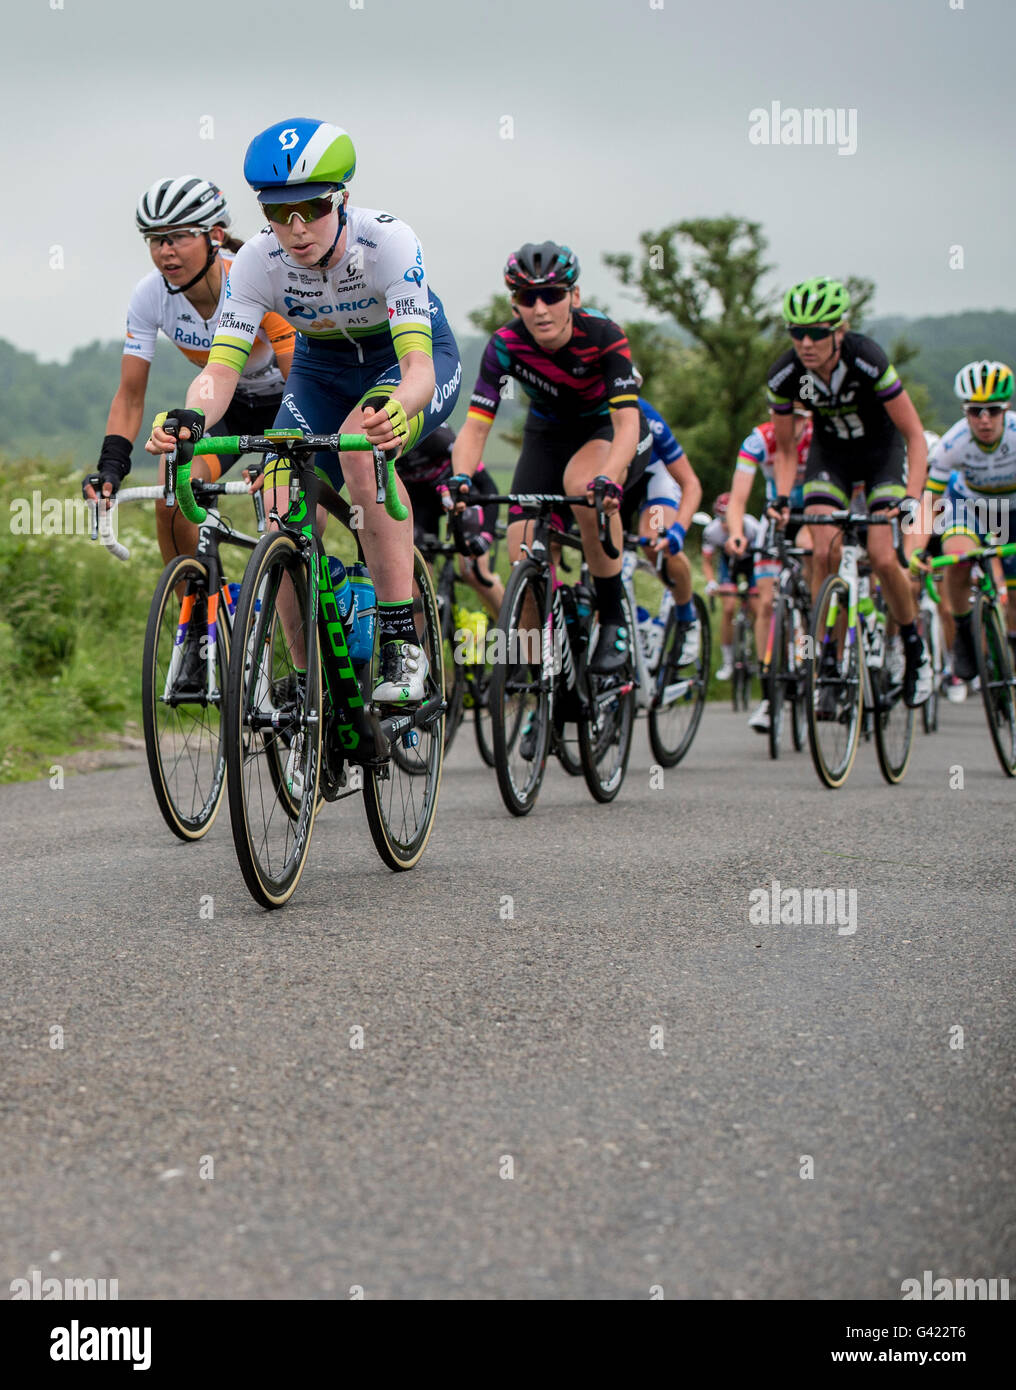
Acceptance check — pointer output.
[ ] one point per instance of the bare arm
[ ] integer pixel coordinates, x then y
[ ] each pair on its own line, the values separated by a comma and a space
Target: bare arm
691, 489
467, 451
903, 413
128, 407
623, 445
785, 460
740, 491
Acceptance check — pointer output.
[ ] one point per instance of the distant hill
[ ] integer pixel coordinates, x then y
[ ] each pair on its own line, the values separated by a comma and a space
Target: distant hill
63, 408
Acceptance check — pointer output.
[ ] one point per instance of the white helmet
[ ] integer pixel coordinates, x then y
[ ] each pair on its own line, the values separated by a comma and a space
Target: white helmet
184, 202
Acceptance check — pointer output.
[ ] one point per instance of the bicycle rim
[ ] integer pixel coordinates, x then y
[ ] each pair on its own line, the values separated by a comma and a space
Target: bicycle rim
481, 714
519, 707
798, 691
273, 723
994, 666
676, 712
834, 698
776, 681
184, 740
894, 720
401, 800
605, 727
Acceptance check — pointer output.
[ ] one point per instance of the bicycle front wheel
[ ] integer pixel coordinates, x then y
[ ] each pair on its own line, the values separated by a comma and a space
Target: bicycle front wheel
994, 666
680, 696
401, 798
834, 687
894, 720
519, 705
182, 716
930, 625
606, 724
273, 721
779, 671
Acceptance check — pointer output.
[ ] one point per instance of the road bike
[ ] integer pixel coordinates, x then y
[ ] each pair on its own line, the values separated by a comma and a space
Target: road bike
856, 670
991, 646
671, 689
786, 665
186, 655
541, 681
299, 725
929, 622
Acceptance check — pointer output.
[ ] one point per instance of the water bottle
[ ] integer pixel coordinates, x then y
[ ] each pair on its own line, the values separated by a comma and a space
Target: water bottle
343, 592
584, 605
364, 614
232, 594
644, 623
628, 563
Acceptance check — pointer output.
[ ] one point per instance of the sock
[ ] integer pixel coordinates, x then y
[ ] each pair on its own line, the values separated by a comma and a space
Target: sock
909, 633
685, 612
962, 619
396, 621
727, 652
608, 598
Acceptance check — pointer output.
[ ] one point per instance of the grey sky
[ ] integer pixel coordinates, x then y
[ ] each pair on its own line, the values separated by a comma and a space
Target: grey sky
626, 117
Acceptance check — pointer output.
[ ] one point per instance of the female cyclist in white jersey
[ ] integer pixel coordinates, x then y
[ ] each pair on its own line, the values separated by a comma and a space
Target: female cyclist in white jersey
184, 222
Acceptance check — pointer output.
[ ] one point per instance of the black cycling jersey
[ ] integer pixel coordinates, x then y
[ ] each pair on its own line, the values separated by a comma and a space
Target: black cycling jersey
590, 376
848, 412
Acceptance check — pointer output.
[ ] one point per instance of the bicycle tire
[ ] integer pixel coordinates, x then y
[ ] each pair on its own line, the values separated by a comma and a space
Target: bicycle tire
893, 719
833, 774
510, 681
994, 666
401, 804
604, 726
481, 715
798, 706
272, 850
183, 742
667, 751
776, 678
932, 634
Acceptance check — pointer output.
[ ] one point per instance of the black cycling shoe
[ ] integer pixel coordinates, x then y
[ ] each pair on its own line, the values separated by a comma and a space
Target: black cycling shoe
611, 652
964, 657
918, 678
527, 743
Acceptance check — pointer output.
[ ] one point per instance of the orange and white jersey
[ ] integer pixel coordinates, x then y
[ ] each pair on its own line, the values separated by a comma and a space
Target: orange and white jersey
152, 308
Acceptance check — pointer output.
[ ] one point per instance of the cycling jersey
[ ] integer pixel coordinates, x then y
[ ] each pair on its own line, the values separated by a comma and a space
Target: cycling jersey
372, 303
759, 451
666, 449
983, 470
716, 535
152, 308
590, 376
848, 412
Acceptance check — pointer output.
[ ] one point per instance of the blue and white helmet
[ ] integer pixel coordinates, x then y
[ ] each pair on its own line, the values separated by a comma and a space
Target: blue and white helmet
299, 158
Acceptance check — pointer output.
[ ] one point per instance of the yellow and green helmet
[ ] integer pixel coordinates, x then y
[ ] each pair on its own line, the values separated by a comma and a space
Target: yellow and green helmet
815, 301
984, 383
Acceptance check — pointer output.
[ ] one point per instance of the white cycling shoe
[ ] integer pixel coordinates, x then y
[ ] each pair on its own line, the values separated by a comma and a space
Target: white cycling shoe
404, 672
759, 721
691, 645
725, 672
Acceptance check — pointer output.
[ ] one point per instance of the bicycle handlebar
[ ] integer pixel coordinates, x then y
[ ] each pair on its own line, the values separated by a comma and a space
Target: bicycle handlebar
101, 519
543, 501
938, 562
274, 441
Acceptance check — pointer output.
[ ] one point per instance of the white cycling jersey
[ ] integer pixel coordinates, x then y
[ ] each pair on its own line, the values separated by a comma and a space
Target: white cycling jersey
716, 535
374, 296
152, 308
981, 470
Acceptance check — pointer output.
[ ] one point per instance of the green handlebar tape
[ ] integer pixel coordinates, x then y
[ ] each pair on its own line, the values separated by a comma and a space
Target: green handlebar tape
393, 506
218, 444
185, 495
929, 584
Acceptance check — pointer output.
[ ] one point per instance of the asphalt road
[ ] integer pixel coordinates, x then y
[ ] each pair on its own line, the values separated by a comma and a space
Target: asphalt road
197, 1026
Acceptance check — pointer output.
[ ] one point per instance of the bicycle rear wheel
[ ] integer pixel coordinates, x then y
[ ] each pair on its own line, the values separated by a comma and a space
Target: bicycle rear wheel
273, 721
776, 679
834, 687
184, 736
994, 666
519, 706
680, 697
606, 724
481, 714
894, 720
401, 799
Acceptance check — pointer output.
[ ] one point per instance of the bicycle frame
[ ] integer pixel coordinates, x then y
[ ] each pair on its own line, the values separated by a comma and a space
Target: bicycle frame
851, 552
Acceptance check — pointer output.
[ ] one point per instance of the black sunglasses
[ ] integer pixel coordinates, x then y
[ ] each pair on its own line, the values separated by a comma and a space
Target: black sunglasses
528, 298
815, 333
993, 411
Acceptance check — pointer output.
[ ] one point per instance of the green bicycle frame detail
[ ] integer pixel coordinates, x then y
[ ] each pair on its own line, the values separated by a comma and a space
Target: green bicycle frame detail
987, 578
234, 444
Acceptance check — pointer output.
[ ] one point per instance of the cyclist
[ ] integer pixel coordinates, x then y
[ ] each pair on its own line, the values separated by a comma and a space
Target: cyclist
862, 419
665, 501
584, 431
730, 565
374, 352
184, 222
973, 467
758, 451
425, 471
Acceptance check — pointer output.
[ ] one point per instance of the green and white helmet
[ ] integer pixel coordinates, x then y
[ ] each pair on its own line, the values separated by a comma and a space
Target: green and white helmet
816, 301
984, 383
